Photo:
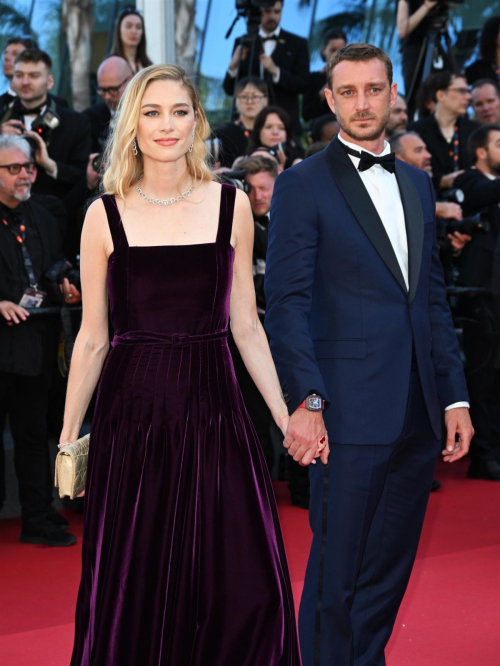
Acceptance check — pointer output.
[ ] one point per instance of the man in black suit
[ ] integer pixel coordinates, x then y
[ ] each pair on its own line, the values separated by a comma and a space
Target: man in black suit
481, 188
281, 59
447, 131
486, 101
30, 243
62, 158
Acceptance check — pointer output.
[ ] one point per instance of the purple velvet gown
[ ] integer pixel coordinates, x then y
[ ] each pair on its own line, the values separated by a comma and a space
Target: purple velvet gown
183, 558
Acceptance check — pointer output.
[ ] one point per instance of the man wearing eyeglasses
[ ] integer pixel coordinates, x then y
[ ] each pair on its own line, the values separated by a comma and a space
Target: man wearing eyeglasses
447, 131
31, 242
61, 156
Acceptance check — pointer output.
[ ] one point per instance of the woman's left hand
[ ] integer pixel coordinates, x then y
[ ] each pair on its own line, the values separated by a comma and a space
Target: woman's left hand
282, 423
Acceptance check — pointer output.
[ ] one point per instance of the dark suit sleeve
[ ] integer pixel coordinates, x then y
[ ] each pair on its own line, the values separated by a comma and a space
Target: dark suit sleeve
450, 378
81, 147
289, 278
478, 190
228, 83
295, 79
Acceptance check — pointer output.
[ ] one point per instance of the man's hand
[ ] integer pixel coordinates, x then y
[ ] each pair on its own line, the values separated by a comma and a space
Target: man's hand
458, 240
41, 154
447, 181
12, 127
13, 313
449, 210
306, 437
70, 292
457, 422
239, 54
268, 64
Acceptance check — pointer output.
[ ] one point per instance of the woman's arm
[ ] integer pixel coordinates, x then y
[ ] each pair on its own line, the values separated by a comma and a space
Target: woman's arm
406, 23
246, 328
92, 341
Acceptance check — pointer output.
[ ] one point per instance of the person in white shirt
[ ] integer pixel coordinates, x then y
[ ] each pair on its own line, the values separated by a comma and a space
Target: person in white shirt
279, 57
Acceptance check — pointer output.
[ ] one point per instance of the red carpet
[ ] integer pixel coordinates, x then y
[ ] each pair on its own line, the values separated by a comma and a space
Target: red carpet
450, 615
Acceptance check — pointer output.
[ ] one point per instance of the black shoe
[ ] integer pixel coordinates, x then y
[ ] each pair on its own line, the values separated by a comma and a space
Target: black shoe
43, 531
435, 485
300, 499
484, 469
58, 520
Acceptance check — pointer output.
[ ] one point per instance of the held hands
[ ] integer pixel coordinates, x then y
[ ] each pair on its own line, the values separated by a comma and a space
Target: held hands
306, 437
457, 422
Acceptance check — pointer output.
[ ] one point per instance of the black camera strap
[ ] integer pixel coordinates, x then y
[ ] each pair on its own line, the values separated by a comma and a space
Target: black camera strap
455, 149
18, 230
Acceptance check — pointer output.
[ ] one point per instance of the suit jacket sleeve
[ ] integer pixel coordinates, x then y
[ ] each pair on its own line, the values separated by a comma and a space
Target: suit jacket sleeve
478, 190
289, 278
448, 367
295, 79
228, 83
81, 147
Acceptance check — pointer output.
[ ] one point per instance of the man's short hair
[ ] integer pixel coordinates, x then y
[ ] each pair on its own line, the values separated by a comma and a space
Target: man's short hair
10, 141
254, 81
442, 81
358, 53
479, 139
486, 82
333, 34
319, 123
27, 42
395, 141
36, 56
257, 164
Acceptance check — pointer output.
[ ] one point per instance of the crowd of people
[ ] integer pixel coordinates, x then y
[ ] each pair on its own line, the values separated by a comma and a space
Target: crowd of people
51, 162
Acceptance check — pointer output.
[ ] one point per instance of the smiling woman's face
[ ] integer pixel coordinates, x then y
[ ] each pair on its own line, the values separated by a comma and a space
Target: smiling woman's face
166, 121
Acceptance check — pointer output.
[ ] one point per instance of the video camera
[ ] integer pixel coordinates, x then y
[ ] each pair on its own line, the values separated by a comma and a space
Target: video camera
236, 178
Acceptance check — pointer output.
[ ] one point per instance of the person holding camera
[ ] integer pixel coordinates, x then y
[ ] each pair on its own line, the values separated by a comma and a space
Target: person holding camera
447, 131
61, 142
273, 129
281, 59
481, 336
30, 244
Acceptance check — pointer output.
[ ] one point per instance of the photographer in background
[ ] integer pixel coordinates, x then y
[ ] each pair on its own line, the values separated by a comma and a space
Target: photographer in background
447, 131
30, 244
478, 263
281, 59
62, 141
486, 101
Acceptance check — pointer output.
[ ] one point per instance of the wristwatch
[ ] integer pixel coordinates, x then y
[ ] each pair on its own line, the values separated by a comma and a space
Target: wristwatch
313, 403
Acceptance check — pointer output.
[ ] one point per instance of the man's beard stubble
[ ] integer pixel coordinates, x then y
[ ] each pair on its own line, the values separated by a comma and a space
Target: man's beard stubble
376, 132
494, 167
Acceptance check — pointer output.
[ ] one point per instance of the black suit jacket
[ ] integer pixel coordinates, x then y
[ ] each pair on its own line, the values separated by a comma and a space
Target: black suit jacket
28, 348
291, 55
70, 147
312, 105
441, 160
480, 69
99, 117
6, 99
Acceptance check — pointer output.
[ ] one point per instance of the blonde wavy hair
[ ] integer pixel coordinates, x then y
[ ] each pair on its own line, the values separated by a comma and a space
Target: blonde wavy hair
124, 169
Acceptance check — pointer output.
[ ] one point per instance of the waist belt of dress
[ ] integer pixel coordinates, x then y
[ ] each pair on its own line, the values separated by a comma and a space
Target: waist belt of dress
175, 340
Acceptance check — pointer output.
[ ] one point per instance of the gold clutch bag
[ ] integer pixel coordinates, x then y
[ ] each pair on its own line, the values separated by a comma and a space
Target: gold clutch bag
71, 468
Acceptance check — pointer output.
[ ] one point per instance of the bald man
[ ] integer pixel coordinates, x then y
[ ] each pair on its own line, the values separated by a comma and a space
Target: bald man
112, 78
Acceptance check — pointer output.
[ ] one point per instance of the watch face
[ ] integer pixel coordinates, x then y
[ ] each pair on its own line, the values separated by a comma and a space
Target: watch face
315, 403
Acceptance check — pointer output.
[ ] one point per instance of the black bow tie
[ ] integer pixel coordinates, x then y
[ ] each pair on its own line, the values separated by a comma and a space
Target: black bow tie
29, 112
367, 160
269, 38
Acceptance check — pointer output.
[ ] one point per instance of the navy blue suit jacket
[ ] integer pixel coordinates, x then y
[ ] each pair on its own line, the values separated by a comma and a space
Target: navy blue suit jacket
340, 319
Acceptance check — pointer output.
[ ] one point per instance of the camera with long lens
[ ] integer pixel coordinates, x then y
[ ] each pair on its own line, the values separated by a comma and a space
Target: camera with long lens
55, 276
236, 178
43, 125
452, 195
97, 163
472, 225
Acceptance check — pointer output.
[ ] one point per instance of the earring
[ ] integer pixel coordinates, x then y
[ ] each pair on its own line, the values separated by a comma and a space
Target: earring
134, 147
192, 143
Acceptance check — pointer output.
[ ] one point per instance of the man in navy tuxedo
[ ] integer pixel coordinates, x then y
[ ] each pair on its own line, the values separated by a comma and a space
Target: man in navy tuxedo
358, 323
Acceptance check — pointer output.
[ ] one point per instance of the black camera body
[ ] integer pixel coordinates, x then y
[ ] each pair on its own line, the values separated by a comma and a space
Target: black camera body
44, 124
472, 225
97, 163
55, 276
236, 178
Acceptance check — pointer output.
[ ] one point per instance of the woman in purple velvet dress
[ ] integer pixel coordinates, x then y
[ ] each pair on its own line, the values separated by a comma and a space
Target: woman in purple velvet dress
183, 559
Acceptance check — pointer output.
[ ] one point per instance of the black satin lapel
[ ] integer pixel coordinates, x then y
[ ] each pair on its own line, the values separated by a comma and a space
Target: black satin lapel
356, 195
414, 220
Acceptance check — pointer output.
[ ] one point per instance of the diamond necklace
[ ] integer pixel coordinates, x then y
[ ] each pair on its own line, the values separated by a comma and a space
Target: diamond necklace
164, 202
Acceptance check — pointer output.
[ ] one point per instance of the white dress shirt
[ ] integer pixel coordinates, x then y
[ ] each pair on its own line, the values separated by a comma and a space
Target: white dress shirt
382, 187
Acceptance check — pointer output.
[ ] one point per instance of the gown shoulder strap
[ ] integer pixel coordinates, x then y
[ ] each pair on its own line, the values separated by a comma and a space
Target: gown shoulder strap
114, 221
227, 199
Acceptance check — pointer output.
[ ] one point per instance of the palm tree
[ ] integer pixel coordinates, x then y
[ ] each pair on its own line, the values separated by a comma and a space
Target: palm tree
185, 34
77, 26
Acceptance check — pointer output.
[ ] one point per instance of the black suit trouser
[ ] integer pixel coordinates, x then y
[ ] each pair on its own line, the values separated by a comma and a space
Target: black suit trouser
366, 512
25, 400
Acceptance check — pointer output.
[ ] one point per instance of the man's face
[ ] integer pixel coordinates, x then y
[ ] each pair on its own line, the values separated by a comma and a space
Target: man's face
115, 80
415, 152
16, 187
271, 17
486, 104
493, 153
31, 80
261, 192
456, 98
399, 116
362, 98
250, 101
328, 131
9, 57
